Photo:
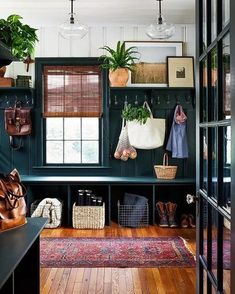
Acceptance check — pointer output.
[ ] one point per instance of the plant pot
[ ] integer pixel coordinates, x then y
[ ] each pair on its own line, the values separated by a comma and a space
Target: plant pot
119, 77
2, 71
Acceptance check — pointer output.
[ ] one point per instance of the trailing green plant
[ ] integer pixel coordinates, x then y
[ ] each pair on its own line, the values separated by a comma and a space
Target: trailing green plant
119, 57
130, 113
19, 37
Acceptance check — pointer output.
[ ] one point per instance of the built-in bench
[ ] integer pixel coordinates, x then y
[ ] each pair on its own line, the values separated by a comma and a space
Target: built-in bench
111, 189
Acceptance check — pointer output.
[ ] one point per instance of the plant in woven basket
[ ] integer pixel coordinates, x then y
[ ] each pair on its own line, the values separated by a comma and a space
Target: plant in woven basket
141, 114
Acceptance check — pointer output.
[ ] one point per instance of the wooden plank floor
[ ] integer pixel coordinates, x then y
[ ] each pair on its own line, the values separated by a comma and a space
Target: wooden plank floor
120, 280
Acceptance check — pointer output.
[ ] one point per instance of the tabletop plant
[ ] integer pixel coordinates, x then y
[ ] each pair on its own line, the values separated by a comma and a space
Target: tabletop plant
119, 61
119, 57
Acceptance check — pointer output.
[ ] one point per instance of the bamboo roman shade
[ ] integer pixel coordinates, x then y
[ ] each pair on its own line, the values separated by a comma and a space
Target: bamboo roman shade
72, 91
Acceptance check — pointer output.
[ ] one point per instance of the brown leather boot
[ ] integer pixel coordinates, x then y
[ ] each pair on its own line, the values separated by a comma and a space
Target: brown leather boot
171, 209
161, 209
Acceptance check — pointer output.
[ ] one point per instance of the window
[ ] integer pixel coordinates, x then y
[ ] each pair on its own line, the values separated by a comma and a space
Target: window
72, 111
72, 140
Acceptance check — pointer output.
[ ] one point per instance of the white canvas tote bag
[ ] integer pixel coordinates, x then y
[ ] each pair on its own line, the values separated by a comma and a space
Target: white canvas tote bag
150, 135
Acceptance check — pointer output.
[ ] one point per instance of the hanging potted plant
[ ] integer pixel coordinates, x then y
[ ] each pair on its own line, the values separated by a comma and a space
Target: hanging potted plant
119, 62
19, 37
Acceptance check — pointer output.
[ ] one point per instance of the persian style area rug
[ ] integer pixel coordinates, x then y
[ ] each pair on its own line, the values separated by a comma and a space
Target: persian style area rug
115, 252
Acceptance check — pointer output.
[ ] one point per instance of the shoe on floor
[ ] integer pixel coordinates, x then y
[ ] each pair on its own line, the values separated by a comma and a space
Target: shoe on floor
184, 222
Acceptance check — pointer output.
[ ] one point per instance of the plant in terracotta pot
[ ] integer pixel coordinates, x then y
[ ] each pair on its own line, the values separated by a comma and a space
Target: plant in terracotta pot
119, 61
19, 37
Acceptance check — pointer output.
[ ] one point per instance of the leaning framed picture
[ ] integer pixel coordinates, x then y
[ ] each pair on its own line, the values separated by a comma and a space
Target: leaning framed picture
151, 68
180, 71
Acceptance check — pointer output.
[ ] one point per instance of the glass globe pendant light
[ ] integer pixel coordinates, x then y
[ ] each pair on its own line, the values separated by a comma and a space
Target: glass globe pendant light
160, 29
71, 27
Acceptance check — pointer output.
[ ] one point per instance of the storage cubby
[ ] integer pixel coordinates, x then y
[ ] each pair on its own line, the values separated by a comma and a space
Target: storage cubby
98, 190
117, 194
176, 194
40, 192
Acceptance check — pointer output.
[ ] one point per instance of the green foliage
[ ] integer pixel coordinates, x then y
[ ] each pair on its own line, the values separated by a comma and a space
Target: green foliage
130, 113
119, 58
19, 37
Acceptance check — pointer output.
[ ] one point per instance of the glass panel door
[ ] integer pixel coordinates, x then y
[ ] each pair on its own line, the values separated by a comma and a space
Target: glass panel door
215, 147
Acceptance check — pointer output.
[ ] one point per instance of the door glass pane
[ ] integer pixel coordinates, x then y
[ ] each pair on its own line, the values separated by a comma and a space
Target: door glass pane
214, 84
205, 282
226, 77
214, 249
225, 12
226, 257
204, 90
214, 163
204, 215
204, 160
204, 25
214, 291
227, 167
213, 19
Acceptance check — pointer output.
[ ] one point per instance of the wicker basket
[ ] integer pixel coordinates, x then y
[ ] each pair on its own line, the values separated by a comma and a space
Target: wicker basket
88, 217
165, 171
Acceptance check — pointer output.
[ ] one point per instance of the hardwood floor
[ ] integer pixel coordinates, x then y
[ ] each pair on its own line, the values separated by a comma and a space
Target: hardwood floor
120, 280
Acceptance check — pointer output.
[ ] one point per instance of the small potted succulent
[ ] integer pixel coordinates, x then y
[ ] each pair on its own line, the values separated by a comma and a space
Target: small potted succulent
119, 61
19, 37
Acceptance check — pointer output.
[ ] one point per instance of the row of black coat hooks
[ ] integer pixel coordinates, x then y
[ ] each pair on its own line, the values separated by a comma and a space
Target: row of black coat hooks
7, 101
120, 101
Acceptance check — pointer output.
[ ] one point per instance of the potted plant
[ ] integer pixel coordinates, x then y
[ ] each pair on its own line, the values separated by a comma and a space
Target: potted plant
119, 61
19, 37
140, 114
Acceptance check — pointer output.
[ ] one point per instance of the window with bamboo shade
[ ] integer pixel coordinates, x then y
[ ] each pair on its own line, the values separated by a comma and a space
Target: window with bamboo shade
72, 91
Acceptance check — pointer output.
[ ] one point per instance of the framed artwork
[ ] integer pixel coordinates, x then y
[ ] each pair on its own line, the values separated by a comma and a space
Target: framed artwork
151, 68
180, 71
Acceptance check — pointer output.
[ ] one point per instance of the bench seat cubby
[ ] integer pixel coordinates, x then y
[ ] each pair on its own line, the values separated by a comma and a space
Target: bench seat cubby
112, 190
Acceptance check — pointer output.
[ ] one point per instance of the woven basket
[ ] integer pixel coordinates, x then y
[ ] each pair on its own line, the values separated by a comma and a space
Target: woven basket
88, 217
165, 171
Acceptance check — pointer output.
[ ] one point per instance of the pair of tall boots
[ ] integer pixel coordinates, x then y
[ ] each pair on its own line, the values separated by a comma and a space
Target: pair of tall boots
166, 212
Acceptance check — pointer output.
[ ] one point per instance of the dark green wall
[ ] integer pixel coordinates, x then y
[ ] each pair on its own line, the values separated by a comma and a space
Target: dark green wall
162, 101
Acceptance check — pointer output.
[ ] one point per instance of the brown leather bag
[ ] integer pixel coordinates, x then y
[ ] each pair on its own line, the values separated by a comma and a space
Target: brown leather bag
17, 123
12, 203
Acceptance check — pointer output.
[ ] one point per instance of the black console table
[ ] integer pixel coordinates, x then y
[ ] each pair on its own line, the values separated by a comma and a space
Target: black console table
20, 258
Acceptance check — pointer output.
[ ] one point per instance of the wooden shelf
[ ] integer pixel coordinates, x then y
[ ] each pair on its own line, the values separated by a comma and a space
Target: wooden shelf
152, 88
16, 89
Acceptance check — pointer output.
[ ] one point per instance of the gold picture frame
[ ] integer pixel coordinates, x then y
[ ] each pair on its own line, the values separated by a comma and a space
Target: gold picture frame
180, 71
151, 67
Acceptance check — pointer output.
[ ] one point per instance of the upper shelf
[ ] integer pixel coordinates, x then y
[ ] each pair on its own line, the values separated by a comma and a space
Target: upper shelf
14, 89
153, 88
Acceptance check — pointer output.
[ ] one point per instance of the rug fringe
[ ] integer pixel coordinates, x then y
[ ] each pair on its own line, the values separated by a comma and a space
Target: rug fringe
187, 246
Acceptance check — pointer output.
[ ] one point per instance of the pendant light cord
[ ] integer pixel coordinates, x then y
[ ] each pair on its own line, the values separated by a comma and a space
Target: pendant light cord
71, 13
160, 12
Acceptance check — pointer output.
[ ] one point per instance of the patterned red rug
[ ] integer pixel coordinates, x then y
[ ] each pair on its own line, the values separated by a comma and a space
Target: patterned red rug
115, 252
